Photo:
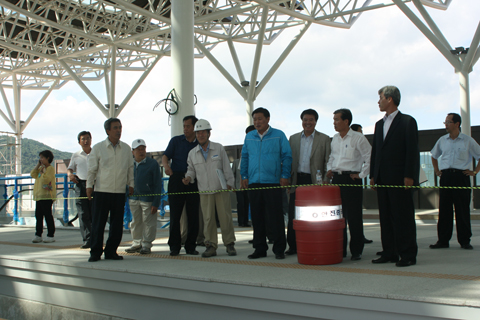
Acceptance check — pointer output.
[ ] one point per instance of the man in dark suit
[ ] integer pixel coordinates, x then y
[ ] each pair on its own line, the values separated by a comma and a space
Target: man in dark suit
395, 162
310, 152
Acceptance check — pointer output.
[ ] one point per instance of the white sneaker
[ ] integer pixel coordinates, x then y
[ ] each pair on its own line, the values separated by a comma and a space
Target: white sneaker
133, 249
49, 239
37, 239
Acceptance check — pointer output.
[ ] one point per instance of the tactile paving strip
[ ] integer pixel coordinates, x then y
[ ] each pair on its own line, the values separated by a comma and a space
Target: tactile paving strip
313, 267
259, 263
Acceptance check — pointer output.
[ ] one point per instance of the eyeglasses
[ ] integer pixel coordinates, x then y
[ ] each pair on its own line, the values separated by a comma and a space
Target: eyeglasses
448, 122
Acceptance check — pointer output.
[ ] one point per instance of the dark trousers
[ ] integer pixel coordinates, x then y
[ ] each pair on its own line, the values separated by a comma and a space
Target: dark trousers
103, 204
242, 207
191, 202
352, 204
397, 222
84, 210
291, 238
43, 209
460, 198
267, 212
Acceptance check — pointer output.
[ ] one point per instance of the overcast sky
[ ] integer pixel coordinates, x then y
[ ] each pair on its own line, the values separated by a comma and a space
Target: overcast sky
330, 68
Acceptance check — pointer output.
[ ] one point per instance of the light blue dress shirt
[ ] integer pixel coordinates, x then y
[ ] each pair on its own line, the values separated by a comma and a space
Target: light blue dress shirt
455, 154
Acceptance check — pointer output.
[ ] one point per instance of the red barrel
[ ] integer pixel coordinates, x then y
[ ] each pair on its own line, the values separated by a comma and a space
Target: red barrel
319, 225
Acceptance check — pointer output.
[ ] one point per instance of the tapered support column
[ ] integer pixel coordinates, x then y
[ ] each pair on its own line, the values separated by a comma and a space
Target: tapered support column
18, 126
465, 102
182, 61
249, 110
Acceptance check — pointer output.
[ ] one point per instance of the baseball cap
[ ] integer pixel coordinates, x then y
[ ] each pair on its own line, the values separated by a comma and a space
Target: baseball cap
138, 142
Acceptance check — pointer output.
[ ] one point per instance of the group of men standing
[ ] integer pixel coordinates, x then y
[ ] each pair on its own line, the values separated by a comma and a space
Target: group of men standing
268, 162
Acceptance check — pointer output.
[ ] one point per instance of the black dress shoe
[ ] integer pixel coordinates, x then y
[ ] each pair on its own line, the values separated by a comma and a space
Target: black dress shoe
467, 246
247, 225
93, 259
290, 252
439, 245
356, 257
405, 263
86, 245
280, 256
257, 254
379, 253
270, 241
365, 240
174, 253
192, 252
250, 241
113, 257
384, 260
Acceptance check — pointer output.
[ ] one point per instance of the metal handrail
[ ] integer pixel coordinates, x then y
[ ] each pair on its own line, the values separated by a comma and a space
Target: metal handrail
16, 192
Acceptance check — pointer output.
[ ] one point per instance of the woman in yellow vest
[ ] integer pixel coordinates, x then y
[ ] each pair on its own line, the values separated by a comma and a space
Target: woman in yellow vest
44, 192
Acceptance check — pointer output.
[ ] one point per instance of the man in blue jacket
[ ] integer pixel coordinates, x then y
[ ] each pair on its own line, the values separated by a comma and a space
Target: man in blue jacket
266, 162
145, 200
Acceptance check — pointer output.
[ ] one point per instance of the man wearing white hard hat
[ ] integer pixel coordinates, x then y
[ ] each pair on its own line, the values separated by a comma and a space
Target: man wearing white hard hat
145, 200
209, 165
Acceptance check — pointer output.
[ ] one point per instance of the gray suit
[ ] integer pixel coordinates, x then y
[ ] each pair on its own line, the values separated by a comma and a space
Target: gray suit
318, 159
319, 156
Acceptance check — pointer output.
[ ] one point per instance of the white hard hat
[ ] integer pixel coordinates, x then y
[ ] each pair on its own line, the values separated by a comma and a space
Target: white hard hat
202, 124
137, 143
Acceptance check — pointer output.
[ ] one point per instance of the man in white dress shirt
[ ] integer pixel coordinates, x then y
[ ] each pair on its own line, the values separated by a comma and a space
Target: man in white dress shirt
77, 173
110, 167
349, 163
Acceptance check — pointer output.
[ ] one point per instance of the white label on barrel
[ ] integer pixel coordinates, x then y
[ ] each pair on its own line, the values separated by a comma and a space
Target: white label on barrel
318, 213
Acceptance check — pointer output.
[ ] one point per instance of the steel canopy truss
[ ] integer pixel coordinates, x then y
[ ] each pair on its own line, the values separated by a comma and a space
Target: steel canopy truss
46, 43
37, 34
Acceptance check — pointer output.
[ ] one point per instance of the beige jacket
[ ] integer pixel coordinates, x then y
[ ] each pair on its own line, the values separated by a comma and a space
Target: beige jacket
318, 159
110, 169
205, 171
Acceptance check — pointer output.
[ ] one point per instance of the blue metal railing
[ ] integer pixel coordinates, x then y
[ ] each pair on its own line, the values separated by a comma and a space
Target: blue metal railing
17, 189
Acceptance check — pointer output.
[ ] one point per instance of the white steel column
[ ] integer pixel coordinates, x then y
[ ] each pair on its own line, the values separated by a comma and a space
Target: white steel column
113, 75
137, 85
182, 62
465, 102
282, 58
18, 126
84, 88
463, 63
256, 64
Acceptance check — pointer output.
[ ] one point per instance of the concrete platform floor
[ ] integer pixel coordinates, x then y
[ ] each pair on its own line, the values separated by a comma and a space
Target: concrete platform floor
442, 277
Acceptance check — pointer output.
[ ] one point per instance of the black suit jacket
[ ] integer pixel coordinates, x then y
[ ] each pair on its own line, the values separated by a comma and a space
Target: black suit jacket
397, 156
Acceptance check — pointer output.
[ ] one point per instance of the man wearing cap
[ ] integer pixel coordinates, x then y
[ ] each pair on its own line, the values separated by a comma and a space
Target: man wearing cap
183, 195
452, 161
77, 173
209, 165
145, 200
110, 167
266, 165
348, 164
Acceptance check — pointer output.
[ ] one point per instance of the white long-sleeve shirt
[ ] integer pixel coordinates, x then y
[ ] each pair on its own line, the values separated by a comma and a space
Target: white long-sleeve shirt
205, 171
78, 164
110, 168
350, 153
